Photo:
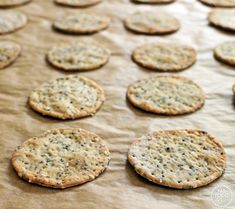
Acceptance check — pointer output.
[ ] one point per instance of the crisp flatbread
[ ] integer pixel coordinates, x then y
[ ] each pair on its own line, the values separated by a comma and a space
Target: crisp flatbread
152, 23
165, 57
78, 56
223, 19
181, 159
68, 97
11, 21
166, 95
61, 158
82, 23
9, 52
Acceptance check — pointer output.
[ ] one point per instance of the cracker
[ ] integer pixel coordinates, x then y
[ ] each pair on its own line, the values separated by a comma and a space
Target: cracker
219, 3
225, 52
165, 57
166, 95
154, 1
181, 159
77, 3
152, 23
82, 23
223, 18
61, 158
78, 56
10, 3
68, 97
11, 21
233, 89
9, 51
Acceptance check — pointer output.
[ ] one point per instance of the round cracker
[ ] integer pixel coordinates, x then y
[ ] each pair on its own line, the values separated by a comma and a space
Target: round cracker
11, 21
78, 56
225, 52
219, 3
11, 3
222, 18
82, 23
154, 1
9, 51
166, 95
181, 159
165, 57
152, 23
61, 158
77, 3
68, 97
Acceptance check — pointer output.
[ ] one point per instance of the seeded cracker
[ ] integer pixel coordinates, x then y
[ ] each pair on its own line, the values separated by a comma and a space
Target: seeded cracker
10, 3
82, 23
154, 1
225, 52
77, 3
166, 95
9, 51
223, 18
78, 56
152, 23
181, 159
61, 158
219, 3
68, 97
11, 21
165, 57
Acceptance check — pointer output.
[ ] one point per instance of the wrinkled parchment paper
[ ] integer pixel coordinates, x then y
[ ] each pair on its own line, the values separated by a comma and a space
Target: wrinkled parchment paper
118, 123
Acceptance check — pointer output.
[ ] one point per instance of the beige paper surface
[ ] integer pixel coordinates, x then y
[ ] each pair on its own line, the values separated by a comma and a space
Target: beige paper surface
118, 123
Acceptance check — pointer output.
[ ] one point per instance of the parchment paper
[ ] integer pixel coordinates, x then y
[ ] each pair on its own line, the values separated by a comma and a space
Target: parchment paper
118, 123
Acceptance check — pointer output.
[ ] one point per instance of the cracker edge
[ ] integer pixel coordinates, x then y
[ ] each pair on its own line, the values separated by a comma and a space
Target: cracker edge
154, 2
15, 5
216, 5
77, 6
